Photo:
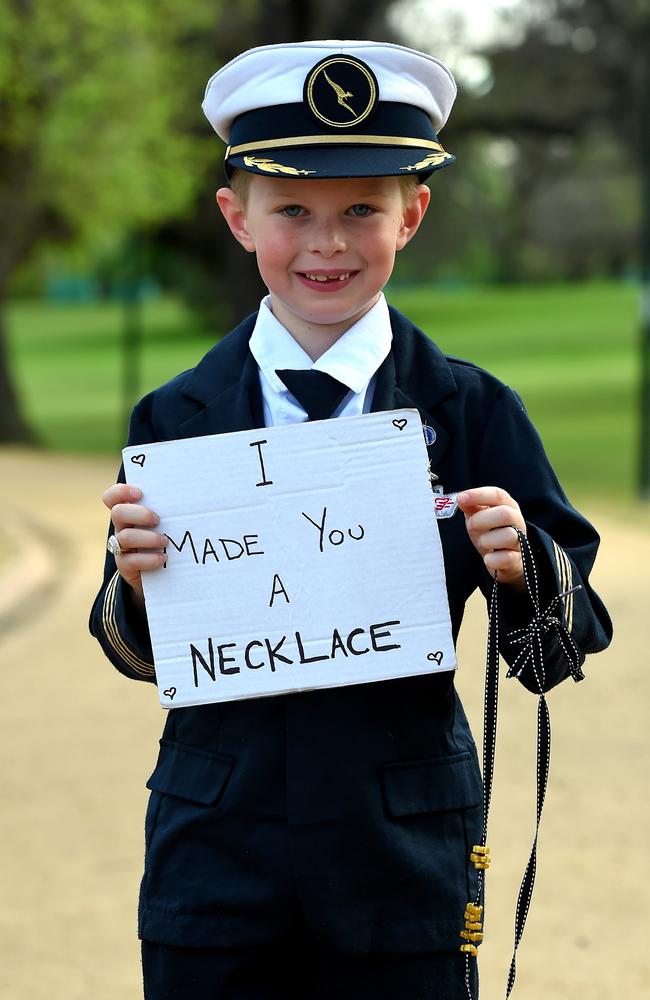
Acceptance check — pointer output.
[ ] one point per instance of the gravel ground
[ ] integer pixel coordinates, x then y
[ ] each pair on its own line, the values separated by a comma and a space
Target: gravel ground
78, 742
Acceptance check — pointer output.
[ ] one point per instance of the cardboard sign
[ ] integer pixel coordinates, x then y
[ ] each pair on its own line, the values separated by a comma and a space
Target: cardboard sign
299, 557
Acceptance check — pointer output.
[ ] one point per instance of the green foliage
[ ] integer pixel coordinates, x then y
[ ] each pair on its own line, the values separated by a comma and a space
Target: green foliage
569, 350
468, 220
93, 96
558, 86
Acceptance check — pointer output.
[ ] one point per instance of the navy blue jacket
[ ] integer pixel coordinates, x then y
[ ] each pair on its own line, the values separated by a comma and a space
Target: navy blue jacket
356, 806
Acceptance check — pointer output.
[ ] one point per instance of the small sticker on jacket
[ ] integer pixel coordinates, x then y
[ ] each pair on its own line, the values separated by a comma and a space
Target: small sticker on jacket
445, 504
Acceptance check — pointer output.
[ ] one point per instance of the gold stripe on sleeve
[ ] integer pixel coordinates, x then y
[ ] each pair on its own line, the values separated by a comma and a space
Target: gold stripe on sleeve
565, 573
569, 585
140, 666
560, 565
559, 562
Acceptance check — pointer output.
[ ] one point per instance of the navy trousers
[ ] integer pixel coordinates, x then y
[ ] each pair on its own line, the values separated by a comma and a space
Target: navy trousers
296, 969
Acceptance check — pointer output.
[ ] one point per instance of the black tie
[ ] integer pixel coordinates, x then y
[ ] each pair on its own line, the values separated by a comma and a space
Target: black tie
317, 392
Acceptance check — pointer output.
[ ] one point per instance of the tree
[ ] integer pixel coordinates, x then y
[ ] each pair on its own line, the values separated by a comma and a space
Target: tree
209, 269
101, 135
90, 145
559, 117
568, 94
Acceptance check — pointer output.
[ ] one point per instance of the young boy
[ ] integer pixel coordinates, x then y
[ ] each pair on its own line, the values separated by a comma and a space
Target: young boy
317, 845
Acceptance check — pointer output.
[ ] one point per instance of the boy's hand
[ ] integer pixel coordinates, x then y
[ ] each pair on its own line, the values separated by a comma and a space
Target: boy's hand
491, 515
134, 529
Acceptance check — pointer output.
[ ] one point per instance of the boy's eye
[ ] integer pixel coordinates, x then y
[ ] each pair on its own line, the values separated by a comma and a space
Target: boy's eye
360, 210
292, 211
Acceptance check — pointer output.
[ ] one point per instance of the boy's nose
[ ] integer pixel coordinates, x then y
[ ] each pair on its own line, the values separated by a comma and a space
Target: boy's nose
327, 239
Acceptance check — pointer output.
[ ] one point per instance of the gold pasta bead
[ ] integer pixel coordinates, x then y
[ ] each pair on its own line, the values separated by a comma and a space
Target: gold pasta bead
480, 857
473, 931
471, 935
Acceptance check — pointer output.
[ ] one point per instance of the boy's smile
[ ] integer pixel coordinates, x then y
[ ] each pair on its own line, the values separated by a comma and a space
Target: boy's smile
327, 280
325, 248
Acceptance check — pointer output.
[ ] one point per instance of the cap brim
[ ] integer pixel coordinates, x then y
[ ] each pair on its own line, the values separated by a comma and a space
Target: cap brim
341, 161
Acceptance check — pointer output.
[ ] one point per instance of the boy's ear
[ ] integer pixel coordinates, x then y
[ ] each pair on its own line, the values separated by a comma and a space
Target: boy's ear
413, 214
234, 214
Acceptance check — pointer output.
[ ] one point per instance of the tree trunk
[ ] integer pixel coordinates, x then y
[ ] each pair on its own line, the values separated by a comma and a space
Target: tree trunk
13, 426
20, 230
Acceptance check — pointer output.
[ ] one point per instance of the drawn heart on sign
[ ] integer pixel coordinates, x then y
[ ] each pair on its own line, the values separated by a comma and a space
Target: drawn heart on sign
138, 460
169, 693
437, 657
400, 424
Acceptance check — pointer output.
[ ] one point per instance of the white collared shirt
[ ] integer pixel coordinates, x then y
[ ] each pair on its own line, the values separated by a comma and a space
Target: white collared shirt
353, 359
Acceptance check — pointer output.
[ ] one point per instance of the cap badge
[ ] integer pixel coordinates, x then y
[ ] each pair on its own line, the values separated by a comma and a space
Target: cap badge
341, 91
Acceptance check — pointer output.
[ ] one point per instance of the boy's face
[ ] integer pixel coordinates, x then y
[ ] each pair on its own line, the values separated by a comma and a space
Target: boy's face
325, 248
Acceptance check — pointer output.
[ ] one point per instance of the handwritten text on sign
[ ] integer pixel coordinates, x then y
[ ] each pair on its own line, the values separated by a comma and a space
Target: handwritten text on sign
299, 557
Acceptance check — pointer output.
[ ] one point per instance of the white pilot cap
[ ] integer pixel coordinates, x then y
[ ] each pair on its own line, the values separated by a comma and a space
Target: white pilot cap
332, 109
270, 75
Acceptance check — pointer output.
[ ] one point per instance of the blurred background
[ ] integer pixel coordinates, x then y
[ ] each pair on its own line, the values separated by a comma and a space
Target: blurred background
116, 273
115, 269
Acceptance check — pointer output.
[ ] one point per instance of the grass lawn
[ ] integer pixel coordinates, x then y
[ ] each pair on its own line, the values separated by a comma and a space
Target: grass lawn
570, 351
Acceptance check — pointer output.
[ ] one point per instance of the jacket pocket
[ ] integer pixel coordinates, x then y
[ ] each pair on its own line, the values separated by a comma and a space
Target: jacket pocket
433, 785
190, 773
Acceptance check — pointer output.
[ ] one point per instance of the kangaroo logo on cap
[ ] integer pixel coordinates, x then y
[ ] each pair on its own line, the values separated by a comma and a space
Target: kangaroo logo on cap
341, 91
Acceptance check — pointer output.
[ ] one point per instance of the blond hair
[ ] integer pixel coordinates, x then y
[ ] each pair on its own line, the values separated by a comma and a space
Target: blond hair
240, 183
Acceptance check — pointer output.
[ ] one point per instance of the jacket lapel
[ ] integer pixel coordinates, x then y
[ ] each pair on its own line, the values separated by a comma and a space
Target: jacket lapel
226, 382
415, 375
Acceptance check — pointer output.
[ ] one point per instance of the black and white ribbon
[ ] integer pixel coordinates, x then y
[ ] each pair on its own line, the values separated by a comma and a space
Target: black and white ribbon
530, 655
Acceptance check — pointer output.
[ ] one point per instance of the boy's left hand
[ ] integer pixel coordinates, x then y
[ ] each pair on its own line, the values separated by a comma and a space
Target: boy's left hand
491, 515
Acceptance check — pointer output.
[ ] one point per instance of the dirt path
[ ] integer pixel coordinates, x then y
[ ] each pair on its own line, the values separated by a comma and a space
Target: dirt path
78, 742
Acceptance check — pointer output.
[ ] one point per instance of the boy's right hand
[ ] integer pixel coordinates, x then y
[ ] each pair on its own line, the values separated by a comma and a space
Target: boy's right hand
134, 524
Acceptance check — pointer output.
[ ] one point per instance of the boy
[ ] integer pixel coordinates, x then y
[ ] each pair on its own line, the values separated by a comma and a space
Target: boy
317, 845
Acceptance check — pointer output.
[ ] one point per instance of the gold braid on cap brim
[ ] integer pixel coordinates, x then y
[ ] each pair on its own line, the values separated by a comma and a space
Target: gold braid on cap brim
432, 160
333, 140
269, 166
